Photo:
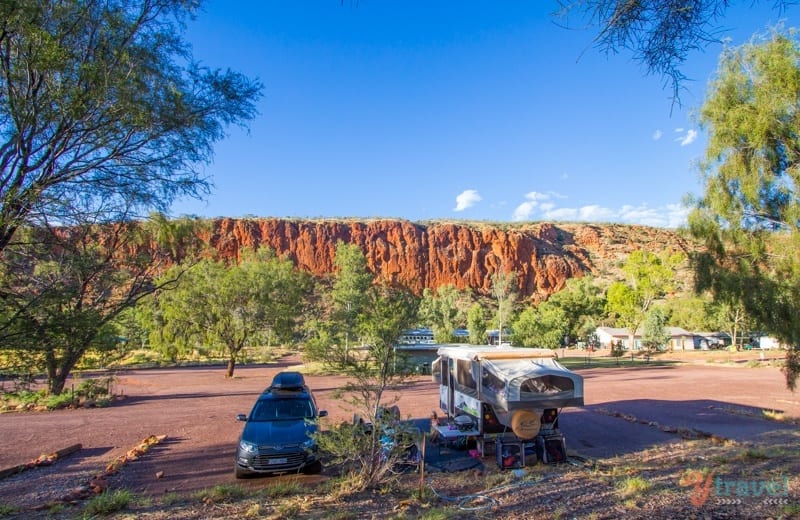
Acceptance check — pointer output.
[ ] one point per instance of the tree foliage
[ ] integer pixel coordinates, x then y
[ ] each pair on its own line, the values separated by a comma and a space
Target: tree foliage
233, 306
544, 326
648, 278
332, 330
655, 333
103, 112
444, 310
63, 287
661, 34
504, 291
388, 312
749, 215
582, 303
477, 324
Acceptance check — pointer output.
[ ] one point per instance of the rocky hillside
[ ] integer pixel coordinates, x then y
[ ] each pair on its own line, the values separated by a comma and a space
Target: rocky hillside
465, 254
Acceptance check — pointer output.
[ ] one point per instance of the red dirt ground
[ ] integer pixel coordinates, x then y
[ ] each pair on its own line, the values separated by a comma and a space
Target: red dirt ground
196, 407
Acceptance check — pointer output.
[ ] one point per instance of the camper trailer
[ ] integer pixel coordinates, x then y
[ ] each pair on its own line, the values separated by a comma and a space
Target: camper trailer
514, 394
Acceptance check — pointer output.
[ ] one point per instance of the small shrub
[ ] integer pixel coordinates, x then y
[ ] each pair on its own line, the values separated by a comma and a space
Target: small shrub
170, 498
633, 486
56, 402
754, 454
289, 509
108, 503
791, 510
6, 510
222, 493
440, 514
283, 489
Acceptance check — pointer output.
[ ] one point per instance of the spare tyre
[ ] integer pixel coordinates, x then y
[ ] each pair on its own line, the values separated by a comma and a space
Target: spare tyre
525, 424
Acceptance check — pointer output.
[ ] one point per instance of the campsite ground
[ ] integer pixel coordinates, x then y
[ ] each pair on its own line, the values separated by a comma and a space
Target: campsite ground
648, 419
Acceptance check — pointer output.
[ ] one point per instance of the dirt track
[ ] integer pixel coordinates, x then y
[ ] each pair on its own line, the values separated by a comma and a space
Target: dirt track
196, 407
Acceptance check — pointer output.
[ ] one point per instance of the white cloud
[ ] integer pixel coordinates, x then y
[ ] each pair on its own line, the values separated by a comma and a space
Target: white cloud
641, 214
677, 215
657, 135
467, 199
524, 211
535, 200
561, 214
689, 138
536, 196
540, 206
595, 213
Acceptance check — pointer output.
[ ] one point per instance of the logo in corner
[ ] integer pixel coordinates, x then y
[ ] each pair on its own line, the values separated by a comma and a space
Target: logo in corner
702, 483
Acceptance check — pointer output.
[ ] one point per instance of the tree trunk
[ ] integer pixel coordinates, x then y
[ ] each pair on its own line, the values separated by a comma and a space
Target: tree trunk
231, 365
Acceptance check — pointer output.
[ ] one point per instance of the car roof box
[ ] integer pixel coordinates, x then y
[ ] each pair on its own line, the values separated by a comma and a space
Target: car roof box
288, 381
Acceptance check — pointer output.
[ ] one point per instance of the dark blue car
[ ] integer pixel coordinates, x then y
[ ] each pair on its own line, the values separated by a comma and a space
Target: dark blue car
277, 435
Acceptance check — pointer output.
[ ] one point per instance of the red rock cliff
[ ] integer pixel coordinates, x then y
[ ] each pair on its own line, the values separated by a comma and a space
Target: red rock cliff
417, 256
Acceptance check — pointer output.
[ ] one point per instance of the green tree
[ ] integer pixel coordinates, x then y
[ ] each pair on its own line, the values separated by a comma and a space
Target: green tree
747, 217
334, 328
654, 331
388, 312
692, 312
733, 319
443, 310
103, 111
63, 288
233, 306
544, 326
583, 305
477, 324
504, 292
649, 278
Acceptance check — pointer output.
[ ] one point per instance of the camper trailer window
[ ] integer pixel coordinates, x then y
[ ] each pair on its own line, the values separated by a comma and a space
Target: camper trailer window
545, 385
464, 375
436, 370
490, 383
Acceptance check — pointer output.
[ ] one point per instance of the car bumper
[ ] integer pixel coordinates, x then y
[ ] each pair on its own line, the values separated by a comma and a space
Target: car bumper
272, 463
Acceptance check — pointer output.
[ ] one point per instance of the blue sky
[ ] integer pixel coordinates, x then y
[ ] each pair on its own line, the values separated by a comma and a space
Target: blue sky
449, 110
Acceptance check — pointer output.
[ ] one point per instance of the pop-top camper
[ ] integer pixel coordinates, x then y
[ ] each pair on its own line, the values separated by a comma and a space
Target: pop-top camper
505, 391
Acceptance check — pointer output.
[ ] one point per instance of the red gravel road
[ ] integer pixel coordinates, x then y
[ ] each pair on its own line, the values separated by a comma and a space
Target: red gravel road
195, 408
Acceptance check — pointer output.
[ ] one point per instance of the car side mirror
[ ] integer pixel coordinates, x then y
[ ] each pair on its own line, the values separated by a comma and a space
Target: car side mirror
323, 413
241, 417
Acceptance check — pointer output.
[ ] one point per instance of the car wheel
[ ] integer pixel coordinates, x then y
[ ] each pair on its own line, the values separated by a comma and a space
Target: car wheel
313, 468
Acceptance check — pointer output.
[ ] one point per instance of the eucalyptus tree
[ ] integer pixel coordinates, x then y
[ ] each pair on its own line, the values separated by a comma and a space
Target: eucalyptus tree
62, 288
648, 277
103, 111
654, 330
544, 326
235, 305
444, 310
388, 312
348, 299
583, 304
504, 292
477, 324
747, 217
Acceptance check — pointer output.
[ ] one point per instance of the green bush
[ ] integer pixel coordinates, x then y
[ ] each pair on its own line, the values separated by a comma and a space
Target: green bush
55, 402
108, 503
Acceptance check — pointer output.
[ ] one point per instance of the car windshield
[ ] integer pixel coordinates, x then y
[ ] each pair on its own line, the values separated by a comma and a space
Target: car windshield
282, 409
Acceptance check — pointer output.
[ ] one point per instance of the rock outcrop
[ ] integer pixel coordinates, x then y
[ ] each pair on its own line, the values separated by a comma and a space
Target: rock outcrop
465, 255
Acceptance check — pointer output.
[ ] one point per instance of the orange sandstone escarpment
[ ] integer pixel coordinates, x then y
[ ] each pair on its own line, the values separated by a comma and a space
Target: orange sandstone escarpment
466, 255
